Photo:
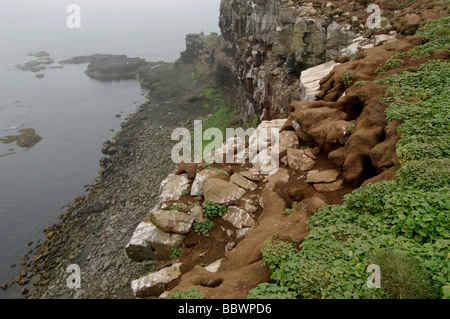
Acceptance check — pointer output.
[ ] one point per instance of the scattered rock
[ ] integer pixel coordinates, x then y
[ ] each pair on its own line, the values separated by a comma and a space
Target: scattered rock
197, 213
27, 139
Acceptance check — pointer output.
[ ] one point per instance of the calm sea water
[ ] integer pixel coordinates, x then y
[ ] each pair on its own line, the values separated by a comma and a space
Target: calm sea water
72, 113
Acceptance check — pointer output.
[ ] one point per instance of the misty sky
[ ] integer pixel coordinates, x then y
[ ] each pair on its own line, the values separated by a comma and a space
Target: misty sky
153, 29
111, 14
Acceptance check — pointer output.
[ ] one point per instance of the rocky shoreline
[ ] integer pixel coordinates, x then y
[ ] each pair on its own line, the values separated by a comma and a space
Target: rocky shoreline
94, 231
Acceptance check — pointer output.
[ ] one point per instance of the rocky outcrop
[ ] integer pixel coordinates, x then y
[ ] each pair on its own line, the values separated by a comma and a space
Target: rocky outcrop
27, 138
107, 67
269, 43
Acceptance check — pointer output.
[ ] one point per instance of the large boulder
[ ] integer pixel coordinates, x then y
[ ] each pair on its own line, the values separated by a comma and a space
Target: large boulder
172, 221
173, 187
221, 192
150, 243
155, 283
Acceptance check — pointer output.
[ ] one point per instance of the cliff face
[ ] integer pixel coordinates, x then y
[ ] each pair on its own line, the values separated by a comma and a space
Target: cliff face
270, 42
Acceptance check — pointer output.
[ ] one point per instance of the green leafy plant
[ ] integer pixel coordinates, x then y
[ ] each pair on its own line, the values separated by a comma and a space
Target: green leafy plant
212, 210
271, 291
360, 83
380, 70
351, 127
204, 227
177, 207
176, 252
191, 293
393, 63
347, 79
288, 211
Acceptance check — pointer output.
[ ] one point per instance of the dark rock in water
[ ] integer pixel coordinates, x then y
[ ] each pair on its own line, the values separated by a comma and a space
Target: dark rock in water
33, 66
27, 139
106, 67
39, 76
39, 54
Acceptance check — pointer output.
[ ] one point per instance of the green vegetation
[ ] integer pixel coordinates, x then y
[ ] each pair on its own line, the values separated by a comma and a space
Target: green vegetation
351, 127
254, 123
204, 227
212, 40
425, 122
175, 252
210, 167
288, 211
211, 210
402, 225
222, 118
438, 31
191, 293
403, 277
380, 71
347, 79
393, 63
177, 207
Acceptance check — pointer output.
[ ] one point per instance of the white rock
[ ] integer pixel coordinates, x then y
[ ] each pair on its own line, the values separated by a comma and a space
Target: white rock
150, 243
242, 232
197, 185
172, 187
299, 160
154, 284
221, 192
241, 181
214, 267
239, 218
172, 221
311, 77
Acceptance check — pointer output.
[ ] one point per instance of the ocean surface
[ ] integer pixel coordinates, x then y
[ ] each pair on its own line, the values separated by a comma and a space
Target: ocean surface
72, 113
